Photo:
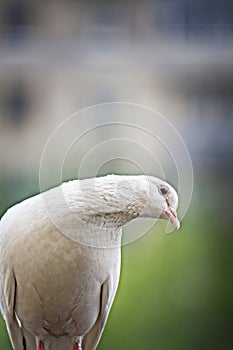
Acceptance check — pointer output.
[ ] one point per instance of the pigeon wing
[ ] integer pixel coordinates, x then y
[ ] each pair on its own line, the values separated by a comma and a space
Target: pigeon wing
7, 297
92, 338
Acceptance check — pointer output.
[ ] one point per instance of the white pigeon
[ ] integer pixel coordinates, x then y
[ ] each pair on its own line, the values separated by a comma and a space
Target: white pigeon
60, 257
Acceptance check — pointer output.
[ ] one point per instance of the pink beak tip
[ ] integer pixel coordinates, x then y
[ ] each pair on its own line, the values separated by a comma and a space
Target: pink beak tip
173, 218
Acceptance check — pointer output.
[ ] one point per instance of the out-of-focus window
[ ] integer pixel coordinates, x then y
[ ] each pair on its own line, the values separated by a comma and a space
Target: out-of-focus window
195, 19
16, 18
16, 104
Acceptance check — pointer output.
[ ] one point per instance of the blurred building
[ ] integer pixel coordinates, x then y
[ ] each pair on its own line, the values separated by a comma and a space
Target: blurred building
60, 56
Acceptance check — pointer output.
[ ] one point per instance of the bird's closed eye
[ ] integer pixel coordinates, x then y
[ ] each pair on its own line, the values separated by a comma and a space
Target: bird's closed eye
164, 190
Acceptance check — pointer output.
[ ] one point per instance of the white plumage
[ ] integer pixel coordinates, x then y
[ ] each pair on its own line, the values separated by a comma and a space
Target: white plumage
60, 257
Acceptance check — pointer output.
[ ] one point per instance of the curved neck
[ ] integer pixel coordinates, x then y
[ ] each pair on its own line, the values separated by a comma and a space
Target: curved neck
109, 201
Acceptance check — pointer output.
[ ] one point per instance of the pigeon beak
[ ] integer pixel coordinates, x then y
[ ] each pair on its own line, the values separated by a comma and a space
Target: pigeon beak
172, 217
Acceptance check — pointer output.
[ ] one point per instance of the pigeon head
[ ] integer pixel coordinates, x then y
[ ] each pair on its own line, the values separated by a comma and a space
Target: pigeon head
162, 201
170, 204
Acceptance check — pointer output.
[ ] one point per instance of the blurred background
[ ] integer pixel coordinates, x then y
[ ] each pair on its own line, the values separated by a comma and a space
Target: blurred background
56, 57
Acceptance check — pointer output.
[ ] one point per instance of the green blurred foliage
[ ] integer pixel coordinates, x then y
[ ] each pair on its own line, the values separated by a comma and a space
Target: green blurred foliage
175, 290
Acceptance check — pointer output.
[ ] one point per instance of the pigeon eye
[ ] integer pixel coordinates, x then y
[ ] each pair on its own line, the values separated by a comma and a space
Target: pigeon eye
163, 190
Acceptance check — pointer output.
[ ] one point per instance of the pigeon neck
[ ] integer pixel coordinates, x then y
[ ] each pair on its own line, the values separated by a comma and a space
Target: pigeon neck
105, 202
